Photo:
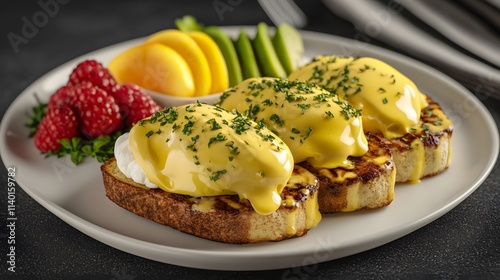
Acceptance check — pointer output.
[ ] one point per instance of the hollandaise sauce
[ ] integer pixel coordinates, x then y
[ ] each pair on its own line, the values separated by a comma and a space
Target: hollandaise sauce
204, 150
316, 124
391, 103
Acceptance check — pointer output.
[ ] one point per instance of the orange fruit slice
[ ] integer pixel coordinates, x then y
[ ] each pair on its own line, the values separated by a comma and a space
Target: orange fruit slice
156, 67
215, 59
192, 54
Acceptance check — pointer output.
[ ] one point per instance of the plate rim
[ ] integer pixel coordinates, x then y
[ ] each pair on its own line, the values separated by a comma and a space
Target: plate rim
109, 237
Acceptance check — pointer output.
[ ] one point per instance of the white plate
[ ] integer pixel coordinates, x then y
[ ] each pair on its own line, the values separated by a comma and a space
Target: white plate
76, 194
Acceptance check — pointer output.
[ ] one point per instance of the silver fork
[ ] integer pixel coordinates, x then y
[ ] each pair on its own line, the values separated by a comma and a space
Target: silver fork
284, 11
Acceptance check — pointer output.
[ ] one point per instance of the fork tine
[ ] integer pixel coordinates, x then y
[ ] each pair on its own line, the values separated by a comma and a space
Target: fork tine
284, 11
291, 9
279, 12
271, 11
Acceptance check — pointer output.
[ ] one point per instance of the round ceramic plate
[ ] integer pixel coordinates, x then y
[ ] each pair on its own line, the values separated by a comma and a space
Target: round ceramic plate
76, 194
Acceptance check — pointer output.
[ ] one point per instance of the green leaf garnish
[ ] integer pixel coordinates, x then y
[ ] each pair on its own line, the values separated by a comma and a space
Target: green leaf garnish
101, 148
188, 23
36, 116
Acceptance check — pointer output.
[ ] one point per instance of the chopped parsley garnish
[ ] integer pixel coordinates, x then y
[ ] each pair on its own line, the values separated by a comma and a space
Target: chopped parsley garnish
304, 107
268, 102
219, 138
240, 124
214, 124
188, 127
276, 119
216, 174
308, 132
194, 139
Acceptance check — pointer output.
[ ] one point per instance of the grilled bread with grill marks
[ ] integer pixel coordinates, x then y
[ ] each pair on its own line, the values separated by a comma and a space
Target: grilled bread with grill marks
223, 218
425, 151
369, 184
309, 193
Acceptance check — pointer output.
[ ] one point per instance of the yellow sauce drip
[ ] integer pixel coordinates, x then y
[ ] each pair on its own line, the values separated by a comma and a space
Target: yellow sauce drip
291, 223
435, 122
352, 198
315, 124
203, 150
313, 216
419, 161
203, 205
391, 103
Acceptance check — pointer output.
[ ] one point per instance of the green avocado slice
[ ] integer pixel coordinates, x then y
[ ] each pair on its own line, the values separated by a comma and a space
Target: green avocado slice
246, 54
289, 47
269, 62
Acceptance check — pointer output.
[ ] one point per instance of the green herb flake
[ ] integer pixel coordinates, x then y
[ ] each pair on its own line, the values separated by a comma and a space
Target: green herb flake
188, 127
276, 119
196, 160
219, 138
194, 139
308, 132
304, 107
214, 125
216, 174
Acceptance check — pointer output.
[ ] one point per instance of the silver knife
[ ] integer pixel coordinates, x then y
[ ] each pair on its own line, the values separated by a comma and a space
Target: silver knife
457, 25
384, 23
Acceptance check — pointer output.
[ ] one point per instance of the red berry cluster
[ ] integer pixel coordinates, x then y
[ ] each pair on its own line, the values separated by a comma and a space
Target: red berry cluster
91, 104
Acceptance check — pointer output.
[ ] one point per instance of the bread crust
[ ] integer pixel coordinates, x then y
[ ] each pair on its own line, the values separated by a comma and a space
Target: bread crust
368, 184
309, 193
223, 218
435, 154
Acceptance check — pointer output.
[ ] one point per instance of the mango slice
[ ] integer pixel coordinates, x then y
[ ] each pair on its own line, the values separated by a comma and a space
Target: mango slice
192, 54
229, 52
215, 59
154, 66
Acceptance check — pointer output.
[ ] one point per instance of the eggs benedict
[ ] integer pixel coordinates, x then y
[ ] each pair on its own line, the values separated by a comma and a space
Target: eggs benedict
392, 106
214, 174
325, 135
316, 125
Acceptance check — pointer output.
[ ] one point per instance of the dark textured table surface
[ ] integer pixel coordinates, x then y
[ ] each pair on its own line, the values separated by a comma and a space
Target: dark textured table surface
462, 244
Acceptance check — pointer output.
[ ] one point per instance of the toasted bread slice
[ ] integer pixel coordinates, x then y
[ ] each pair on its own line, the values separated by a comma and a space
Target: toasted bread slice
223, 218
426, 151
369, 184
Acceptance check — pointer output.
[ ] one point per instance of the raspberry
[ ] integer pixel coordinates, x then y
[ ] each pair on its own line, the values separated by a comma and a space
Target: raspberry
94, 72
60, 122
61, 96
97, 110
135, 104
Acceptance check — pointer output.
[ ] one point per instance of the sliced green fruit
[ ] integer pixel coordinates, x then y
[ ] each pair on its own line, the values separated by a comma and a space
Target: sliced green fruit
188, 23
289, 47
229, 52
269, 62
245, 52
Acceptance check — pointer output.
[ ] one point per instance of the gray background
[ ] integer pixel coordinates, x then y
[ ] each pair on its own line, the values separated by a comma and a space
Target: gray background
462, 244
